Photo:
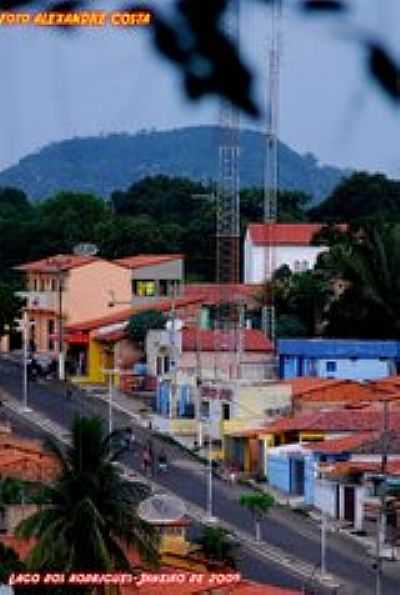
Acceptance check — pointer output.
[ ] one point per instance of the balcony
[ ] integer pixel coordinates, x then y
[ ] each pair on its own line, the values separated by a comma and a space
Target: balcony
39, 300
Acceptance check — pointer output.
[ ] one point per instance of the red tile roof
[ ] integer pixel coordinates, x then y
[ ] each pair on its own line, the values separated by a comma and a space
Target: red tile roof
146, 260
124, 315
210, 340
285, 234
354, 467
343, 444
340, 420
309, 389
214, 293
52, 264
22, 547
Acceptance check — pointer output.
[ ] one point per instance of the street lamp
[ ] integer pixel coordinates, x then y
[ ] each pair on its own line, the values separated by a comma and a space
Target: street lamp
210, 518
26, 324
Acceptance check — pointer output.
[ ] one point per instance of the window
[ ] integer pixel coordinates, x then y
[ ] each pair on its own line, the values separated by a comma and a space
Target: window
144, 288
297, 266
35, 285
205, 409
331, 367
163, 287
53, 285
305, 265
226, 411
50, 331
42, 285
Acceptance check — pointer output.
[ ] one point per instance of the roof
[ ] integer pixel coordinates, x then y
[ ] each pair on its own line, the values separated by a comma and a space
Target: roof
308, 389
124, 315
214, 293
287, 234
22, 547
210, 340
341, 420
343, 444
359, 467
25, 459
338, 348
53, 264
146, 260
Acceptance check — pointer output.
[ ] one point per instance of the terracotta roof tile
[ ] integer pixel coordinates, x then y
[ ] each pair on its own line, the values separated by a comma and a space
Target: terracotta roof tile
210, 340
343, 420
288, 234
124, 315
214, 293
22, 547
307, 389
146, 260
51, 264
343, 444
354, 467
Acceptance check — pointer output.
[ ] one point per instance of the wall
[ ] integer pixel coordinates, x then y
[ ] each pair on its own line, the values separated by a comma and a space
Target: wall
255, 363
309, 480
87, 291
170, 270
349, 369
278, 472
325, 496
255, 259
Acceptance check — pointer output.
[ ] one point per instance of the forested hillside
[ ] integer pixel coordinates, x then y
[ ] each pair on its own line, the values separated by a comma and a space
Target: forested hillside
100, 165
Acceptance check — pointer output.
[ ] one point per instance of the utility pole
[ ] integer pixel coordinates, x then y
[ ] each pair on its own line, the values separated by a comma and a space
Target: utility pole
174, 387
323, 543
380, 524
25, 331
198, 382
210, 517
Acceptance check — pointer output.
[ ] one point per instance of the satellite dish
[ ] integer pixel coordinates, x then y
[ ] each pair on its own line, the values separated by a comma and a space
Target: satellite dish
85, 250
161, 509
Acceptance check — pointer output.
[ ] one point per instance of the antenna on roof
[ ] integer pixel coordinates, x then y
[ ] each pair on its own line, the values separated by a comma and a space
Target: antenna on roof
85, 250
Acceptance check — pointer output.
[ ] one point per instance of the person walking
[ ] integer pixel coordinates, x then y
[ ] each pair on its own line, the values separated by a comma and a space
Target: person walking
162, 461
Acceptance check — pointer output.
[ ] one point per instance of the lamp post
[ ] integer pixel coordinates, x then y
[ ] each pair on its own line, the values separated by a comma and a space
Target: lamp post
210, 518
61, 361
25, 330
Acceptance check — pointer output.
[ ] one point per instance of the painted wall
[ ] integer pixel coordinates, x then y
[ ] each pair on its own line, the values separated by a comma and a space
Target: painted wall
256, 256
278, 472
253, 367
171, 270
87, 291
350, 369
325, 496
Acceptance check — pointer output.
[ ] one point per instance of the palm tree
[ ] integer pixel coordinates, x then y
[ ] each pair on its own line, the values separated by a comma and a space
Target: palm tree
88, 516
218, 546
370, 262
258, 504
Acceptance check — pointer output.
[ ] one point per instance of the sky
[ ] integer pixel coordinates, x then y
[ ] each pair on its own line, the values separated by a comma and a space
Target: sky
57, 86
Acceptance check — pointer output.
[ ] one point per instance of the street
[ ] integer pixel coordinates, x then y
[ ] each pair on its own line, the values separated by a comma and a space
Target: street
292, 532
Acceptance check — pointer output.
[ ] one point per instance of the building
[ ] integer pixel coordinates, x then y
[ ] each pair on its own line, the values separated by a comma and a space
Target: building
74, 287
291, 244
338, 358
154, 276
317, 394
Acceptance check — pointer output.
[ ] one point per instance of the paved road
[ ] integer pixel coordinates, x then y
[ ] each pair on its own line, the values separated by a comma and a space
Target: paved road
293, 533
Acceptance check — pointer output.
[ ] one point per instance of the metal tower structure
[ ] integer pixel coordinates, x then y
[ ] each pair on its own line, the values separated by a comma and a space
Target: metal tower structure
271, 177
228, 209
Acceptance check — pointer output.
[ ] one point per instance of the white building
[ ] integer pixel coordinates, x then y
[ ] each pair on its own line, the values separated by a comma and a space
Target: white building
291, 245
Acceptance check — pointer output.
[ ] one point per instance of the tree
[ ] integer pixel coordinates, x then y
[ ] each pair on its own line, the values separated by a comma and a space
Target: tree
9, 562
10, 307
258, 504
360, 197
370, 306
88, 516
141, 323
217, 545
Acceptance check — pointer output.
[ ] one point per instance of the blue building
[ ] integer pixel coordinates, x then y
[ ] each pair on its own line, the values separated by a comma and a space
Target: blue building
338, 358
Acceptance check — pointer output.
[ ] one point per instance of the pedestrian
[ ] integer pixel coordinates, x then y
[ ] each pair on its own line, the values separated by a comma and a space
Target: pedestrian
130, 439
162, 461
69, 392
146, 462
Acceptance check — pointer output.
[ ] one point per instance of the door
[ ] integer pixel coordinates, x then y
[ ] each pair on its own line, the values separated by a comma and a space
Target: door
349, 500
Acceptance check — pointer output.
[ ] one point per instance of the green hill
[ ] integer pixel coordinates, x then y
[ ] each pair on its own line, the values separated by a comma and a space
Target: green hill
107, 163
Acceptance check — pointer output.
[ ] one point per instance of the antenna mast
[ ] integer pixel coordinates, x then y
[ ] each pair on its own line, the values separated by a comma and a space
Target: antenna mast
228, 209
271, 178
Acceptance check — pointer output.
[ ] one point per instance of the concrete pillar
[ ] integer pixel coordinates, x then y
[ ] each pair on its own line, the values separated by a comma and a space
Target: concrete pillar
341, 501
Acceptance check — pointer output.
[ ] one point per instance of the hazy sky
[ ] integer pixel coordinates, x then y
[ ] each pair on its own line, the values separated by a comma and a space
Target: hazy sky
109, 80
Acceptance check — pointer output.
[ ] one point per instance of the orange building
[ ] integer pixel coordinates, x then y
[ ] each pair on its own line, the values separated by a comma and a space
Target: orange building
76, 287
